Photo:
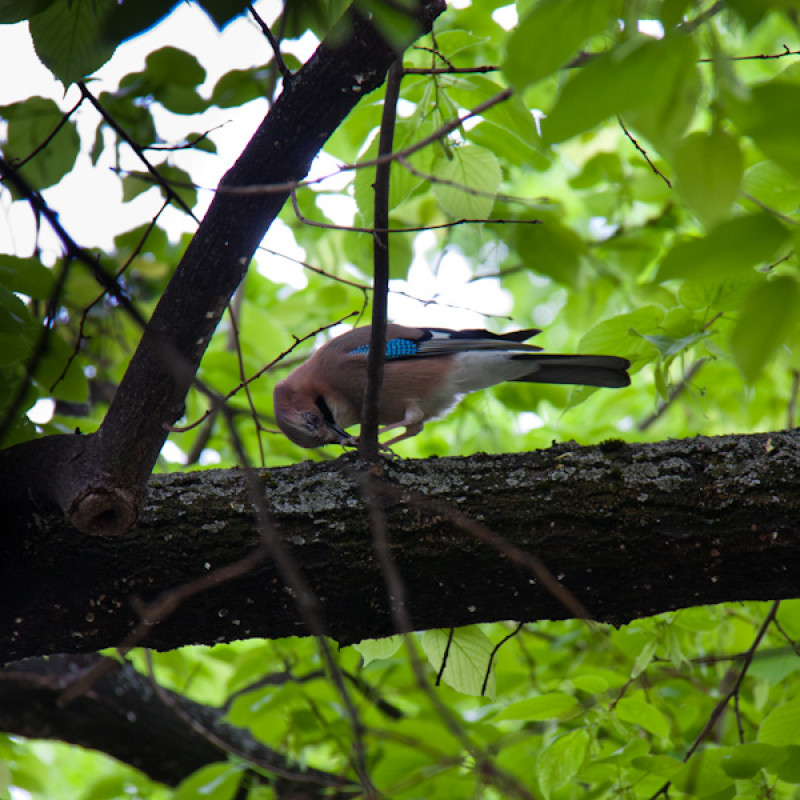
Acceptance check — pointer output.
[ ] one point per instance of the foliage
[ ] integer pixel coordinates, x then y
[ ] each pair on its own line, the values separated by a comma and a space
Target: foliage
641, 195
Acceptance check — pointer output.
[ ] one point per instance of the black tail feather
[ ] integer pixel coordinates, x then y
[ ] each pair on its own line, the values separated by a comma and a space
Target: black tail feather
608, 371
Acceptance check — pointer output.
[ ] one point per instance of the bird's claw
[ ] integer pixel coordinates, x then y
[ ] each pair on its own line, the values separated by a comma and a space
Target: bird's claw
385, 450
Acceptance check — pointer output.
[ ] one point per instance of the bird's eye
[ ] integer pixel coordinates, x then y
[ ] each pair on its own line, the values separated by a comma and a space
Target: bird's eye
311, 421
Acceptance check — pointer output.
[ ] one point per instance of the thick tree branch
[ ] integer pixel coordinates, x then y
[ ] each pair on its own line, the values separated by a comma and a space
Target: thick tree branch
100, 479
162, 733
629, 530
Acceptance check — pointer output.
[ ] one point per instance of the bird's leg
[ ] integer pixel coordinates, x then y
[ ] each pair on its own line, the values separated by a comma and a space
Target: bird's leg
411, 430
412, 422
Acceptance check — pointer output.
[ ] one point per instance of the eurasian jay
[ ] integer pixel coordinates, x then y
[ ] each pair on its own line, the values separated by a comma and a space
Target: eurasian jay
426, 373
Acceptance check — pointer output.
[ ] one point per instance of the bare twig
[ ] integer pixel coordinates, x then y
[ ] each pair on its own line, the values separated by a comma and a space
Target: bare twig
644, 153
676, 392
85, 313
246, 382
286, 73
495, 649
50, 136
730, 693
123, 134
375, 231
445, 655
758, 57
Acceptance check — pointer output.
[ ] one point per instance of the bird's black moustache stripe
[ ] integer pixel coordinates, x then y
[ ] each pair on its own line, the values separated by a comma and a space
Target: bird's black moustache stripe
327, 414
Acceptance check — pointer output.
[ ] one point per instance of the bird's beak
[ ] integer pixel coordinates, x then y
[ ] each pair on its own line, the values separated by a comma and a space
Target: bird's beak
340, 432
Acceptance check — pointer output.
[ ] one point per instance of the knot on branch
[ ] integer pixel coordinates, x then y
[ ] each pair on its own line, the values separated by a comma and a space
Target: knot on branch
104, 512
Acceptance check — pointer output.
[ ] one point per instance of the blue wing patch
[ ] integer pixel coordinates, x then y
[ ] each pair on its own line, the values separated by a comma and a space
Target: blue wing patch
395, 349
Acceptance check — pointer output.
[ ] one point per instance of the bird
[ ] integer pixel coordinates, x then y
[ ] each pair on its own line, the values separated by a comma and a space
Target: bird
426, 373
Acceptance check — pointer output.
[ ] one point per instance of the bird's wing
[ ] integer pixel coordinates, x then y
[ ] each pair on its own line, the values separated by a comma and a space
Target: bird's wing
405, 343
442, 341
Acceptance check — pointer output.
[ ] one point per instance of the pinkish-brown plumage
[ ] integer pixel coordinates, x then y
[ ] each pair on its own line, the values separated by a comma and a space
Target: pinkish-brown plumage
426, 372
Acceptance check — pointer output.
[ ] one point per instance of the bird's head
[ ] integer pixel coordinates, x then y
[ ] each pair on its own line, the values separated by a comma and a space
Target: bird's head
305, 419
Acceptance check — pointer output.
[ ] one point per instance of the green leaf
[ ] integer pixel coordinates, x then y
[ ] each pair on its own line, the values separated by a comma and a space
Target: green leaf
12, 11
30, 124
709, 169
70, 385
223, 11
768, 315
13, 350
377, 649
180, 182
773, 187
644, 658
129, 19
170, 65
553, 705
703, 776
136, 183
470, 170
745, 760
789, 770
775, 134
665, 766
631, 76
782, 725
551, 35
551, 249
622, 334
730, 248
26, 276
218, 781
664, 120
643, 714
672, 12
170, 77
67, 38
467, 658
240, 86
560, 762
669, 346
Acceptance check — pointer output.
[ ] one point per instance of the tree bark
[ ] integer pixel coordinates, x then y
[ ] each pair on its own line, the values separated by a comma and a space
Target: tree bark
98, 481
627, 531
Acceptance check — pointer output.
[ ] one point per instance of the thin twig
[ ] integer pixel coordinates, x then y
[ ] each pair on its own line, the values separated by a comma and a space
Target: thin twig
123, 134
450, 70
415, 229
244, 383
286, 73
85, 313
730, 693
439, 133
49, 138
445, 656
676, 392
644, 153
224, 399
495, 649
759, 57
